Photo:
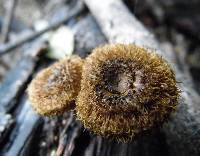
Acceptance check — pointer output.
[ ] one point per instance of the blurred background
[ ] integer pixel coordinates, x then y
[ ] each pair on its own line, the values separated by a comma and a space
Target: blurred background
175, 23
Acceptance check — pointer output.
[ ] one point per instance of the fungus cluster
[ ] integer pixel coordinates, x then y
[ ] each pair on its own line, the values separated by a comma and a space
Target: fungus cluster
119, 90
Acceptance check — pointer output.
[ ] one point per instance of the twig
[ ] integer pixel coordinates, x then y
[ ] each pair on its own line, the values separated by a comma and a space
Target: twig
12, 45
68, 137
63, 137
8, 20
71, 144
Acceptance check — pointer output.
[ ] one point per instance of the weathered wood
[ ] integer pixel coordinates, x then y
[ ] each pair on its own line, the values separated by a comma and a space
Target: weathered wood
18, 76
75, 133
27, 122
23, 39
12, 89
8, 20
64, 139
120, 26
68, 138
6, 123
90, 150
87, 36
23, 133
153, 144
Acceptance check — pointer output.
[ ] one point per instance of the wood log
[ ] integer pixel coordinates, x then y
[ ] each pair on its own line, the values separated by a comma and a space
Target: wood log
182, 131
16, 79
87, 36
24, 133
22, 124
12, 88
26, 124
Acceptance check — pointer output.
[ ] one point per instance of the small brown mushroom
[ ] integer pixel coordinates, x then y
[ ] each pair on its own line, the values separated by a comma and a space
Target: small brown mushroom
125, 90
55, 88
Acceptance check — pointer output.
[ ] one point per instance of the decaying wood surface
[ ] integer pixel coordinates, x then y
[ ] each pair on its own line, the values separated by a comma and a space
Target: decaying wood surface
17, 131
27, 123
19, 124
18, 76
111, 22
119, 25
87, 36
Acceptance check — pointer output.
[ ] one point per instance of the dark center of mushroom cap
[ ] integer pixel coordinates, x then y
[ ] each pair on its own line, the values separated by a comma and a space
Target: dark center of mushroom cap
117, 82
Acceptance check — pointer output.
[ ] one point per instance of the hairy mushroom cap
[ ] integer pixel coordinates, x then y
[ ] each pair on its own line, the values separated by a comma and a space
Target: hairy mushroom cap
55, 88
125, 90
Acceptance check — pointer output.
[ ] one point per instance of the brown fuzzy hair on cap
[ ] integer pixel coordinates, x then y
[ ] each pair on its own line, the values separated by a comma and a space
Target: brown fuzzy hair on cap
125, 90
55, 88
